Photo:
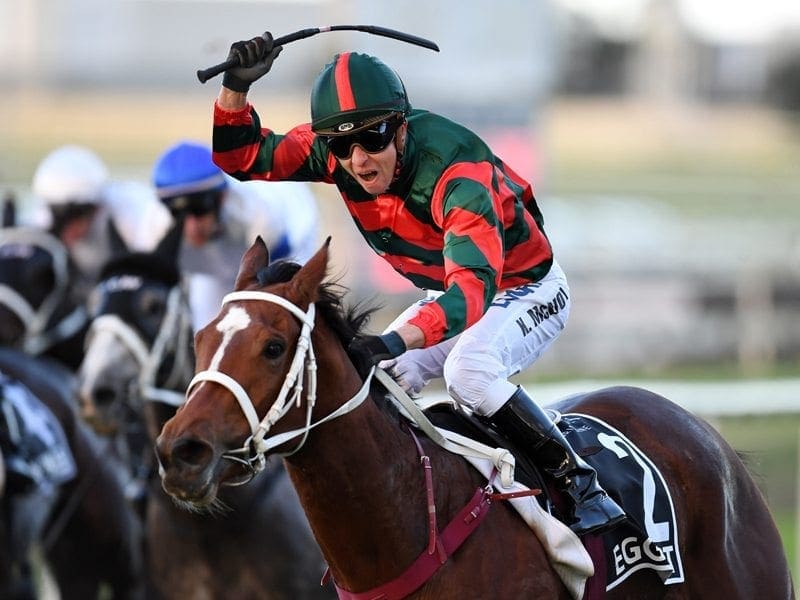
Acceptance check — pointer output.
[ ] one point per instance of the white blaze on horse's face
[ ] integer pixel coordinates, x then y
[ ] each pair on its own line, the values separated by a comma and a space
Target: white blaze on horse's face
235, 321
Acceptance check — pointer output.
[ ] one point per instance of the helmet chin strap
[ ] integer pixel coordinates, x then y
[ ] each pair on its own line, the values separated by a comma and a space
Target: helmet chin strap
398, 168
400, 147
398, 165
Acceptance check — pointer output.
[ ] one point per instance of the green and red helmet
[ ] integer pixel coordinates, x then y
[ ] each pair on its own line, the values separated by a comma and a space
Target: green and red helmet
353, 92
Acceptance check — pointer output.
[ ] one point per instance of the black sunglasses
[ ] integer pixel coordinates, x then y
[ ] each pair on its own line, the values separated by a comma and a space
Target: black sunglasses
372, 140
197, 204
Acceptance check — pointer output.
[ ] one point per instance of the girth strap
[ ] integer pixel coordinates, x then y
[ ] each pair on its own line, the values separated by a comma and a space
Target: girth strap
456, 532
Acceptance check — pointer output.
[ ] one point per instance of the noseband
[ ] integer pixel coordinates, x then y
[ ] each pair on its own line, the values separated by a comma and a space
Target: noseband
252, 454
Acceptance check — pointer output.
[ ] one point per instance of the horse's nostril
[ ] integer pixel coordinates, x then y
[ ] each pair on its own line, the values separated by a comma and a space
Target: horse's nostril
192, 452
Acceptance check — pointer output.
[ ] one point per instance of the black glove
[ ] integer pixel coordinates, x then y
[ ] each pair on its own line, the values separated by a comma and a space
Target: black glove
255, 60
369, 350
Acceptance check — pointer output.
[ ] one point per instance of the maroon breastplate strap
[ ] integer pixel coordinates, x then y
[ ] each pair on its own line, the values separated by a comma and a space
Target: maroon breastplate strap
440, 546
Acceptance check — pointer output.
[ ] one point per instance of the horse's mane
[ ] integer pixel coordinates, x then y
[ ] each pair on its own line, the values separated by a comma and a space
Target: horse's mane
143, 264
346, 321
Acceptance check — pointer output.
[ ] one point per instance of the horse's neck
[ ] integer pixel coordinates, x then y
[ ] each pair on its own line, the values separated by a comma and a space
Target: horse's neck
354, 477
360, 479
363, 487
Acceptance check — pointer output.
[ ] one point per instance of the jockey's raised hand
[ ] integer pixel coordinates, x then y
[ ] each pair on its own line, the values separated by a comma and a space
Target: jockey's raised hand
255, 58
366, 351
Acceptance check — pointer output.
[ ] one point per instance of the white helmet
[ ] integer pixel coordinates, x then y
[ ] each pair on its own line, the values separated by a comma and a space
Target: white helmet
70, 174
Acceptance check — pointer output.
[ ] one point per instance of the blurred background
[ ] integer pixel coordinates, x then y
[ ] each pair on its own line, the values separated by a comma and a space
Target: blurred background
662, 138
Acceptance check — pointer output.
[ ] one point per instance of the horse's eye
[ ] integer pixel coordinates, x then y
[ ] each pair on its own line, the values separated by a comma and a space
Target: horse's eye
273, 349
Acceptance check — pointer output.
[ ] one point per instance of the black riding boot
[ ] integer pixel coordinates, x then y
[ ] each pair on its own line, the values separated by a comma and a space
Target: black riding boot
526, 424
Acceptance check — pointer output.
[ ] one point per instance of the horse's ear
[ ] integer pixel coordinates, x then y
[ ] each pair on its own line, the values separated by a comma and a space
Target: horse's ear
256, 258
170, 244
307, 280
118, 245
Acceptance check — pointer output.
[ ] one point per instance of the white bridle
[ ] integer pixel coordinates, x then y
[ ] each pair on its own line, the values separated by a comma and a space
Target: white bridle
252, 452
173, 333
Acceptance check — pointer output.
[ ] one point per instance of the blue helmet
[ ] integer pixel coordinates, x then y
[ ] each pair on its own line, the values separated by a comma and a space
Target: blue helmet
186, 168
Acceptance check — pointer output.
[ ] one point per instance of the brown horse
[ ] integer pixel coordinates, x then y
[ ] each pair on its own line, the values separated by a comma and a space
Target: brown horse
358, 473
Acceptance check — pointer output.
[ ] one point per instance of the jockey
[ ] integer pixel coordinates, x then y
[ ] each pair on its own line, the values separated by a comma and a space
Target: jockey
433, 200
222, 217
77, 199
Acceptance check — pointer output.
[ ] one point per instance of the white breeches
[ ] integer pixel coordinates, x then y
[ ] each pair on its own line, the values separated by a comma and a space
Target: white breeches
518, 327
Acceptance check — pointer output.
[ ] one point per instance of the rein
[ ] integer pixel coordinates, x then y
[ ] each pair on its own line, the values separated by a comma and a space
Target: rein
501, 458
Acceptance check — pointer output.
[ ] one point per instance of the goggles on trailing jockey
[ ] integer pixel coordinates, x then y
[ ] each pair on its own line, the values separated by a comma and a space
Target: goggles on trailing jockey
196, 204
372, 140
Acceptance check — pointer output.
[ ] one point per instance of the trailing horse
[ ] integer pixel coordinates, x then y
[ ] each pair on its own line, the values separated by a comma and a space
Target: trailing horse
257, 544
375, 488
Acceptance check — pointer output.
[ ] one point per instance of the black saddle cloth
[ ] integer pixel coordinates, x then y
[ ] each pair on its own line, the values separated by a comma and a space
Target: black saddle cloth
647, 539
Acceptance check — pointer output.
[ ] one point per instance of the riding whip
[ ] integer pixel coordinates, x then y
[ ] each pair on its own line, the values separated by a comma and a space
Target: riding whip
205, 74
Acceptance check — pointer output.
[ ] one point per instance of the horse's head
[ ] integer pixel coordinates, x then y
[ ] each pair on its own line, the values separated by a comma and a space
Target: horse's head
254, 390
36, 308
139, 343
